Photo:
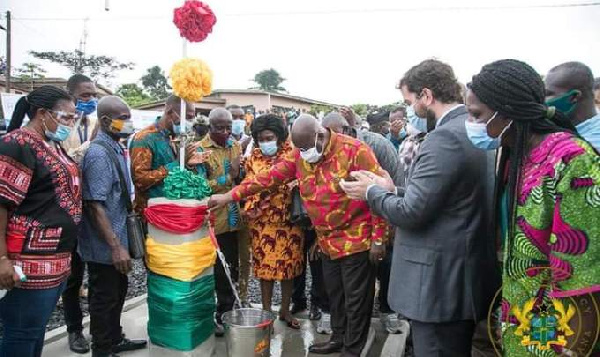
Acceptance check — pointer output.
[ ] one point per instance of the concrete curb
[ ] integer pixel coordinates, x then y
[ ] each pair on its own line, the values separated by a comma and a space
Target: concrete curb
61, 332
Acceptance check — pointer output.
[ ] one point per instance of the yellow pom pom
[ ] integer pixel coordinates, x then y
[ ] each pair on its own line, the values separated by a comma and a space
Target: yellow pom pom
192, 79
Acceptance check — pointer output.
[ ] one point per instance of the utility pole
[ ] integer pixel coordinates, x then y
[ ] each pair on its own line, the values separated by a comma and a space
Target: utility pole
8, 51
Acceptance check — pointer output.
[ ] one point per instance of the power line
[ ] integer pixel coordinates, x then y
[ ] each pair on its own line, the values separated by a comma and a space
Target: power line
334, 12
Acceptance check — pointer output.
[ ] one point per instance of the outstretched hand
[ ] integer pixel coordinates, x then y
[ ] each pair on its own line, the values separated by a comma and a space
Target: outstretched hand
217, 201
357, 189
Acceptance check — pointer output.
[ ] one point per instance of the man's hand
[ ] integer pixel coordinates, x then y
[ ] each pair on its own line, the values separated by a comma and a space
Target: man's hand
357, 190
396, 128
349, 115
121, 259
376, 253
8, 276
220, 200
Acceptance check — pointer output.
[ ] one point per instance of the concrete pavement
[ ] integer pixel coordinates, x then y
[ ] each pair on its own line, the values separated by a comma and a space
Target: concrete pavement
284, 343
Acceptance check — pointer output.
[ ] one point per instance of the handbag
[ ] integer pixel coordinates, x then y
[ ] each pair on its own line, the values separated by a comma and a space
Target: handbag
134, 224
298, 214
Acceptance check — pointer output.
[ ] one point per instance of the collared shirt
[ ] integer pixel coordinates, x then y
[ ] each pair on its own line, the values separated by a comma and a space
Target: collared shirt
152, 156
101, 183
446, 113
78, 142
218, 167
590, 131
344, 226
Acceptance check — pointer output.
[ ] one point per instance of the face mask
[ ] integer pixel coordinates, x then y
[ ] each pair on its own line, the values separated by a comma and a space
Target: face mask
590, 131
477, 133
563, 103
87, 107
312, 155
61, 134
268, 148
237, 127
123, 128
418, 123
220, 138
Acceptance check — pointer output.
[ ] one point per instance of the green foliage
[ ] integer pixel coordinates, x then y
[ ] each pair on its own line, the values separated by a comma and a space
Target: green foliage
155, 83
133, 94
97, 67
315, 109
269, 80
29, 72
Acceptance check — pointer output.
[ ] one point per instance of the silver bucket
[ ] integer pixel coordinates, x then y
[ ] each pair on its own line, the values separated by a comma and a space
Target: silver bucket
248, 332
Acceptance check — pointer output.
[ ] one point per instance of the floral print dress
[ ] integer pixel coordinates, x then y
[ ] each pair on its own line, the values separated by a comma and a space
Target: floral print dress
277, 245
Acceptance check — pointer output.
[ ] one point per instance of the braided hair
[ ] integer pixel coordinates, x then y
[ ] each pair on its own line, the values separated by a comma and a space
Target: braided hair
516, 91
45, 97
269, 122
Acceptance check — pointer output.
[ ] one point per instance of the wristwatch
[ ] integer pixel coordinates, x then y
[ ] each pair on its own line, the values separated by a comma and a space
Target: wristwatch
378, 243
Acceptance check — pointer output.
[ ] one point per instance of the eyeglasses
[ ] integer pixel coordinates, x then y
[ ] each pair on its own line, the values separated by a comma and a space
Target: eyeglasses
66, 117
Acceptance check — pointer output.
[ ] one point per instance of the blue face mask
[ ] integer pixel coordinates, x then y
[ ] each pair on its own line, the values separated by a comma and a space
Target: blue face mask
416, 121
268, 148
176, 129
87, 107
590, 131
477, 133
61, 134
237, 127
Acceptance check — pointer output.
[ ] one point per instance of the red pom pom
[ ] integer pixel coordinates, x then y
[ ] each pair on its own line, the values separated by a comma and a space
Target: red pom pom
194, 20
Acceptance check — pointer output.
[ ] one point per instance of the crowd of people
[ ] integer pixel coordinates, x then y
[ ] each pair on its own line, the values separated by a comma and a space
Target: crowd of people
476, 209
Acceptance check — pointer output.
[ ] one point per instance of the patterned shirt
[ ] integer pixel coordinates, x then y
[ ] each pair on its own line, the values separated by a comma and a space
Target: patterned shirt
554, 252
343, 226
218, 167
152, 156
39, 185
101, 183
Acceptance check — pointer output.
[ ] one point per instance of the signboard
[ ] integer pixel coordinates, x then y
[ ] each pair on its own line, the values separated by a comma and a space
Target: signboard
9, 100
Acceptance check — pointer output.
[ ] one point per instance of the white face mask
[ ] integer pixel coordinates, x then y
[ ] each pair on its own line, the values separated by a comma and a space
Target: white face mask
312, 155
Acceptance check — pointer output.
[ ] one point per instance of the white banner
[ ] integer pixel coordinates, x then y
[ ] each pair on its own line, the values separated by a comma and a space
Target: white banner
9, 100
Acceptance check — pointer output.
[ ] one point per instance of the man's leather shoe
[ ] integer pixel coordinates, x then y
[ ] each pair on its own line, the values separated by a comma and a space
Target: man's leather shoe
78, 343
129, 345
325, 348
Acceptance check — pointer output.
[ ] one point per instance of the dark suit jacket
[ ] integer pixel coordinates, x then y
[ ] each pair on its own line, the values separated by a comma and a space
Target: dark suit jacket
444, 264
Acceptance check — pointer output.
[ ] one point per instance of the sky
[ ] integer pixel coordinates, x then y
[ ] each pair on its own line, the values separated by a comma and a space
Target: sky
338, 51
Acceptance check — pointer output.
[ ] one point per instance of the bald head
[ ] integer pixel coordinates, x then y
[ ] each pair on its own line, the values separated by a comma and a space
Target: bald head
304, 130
112, 106
568, 76
335, 121
576, 77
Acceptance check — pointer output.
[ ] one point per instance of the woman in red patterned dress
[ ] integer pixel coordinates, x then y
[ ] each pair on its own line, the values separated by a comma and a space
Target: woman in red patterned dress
40, 209
277, 245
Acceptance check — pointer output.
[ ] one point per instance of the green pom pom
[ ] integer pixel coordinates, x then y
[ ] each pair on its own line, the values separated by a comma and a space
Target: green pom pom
185, 184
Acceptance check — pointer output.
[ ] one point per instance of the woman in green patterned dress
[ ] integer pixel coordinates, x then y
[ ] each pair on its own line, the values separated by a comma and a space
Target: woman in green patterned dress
549, 211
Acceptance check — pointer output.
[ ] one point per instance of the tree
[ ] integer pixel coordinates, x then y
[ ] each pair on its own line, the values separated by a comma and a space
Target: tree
155, 83
30, 72
269, 80
78, 62
133, 94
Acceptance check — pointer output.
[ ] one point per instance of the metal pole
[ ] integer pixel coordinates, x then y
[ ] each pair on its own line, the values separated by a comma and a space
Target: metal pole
182, 115
8, 52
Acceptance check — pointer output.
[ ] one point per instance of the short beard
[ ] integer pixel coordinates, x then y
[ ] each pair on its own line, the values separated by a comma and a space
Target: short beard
431, 121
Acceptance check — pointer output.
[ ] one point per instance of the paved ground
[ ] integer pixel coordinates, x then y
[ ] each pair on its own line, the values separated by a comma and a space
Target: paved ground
285, 342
